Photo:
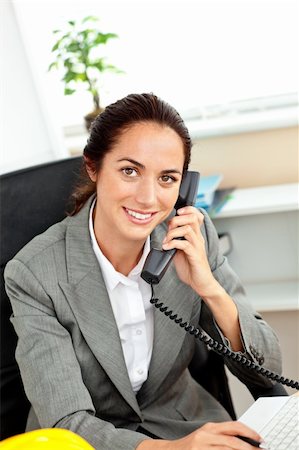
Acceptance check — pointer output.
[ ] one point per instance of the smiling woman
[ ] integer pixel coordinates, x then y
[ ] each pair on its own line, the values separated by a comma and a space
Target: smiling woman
93, 355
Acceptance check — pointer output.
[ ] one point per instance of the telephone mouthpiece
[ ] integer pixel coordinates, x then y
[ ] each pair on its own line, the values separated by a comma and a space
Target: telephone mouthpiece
156, 265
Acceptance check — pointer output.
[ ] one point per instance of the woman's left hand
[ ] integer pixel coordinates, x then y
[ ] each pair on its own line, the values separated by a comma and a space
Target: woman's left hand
191, 262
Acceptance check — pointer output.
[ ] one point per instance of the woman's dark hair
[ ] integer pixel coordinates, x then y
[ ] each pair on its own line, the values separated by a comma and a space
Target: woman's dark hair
111, 123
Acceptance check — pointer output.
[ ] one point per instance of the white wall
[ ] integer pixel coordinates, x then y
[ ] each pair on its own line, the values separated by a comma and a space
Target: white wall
27, 135
191, 53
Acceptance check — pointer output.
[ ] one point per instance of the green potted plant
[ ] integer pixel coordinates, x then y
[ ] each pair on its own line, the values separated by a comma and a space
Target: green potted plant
77, 55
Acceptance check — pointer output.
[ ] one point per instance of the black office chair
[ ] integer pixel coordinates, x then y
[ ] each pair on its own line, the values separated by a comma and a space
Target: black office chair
32, 200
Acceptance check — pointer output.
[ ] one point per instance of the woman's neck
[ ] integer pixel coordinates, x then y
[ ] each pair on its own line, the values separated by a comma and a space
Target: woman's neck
123, 257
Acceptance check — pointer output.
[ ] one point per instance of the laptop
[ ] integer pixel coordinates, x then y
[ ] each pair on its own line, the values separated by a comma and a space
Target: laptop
276, 419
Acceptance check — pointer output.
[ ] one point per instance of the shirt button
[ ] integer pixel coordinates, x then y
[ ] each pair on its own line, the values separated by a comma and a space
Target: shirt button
140, 371
139, 332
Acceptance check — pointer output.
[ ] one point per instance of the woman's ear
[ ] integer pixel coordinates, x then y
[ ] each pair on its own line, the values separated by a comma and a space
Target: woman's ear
90, 169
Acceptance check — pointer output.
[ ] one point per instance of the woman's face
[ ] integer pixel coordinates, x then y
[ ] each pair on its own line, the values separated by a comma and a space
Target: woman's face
138, 183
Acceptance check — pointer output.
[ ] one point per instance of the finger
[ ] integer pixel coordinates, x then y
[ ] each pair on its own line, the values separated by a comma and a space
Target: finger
222, 441
191, 243
232, 428
185, 231
189, 210
244, 430
193, 217
178, 222
183, 245
238, 428
234, 442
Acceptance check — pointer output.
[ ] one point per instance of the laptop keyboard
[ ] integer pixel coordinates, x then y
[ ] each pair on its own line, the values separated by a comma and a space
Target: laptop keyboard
282, 432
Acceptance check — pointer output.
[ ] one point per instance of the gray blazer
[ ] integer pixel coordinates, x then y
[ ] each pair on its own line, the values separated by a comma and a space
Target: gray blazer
70, 354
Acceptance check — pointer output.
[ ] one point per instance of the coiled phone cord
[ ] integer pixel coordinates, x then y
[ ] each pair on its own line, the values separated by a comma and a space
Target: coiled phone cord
219, 348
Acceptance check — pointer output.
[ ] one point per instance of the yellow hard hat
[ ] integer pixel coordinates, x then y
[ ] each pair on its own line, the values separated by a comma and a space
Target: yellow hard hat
46, 439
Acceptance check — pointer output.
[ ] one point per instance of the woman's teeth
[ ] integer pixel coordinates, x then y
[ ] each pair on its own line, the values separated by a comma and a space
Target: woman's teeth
138, 215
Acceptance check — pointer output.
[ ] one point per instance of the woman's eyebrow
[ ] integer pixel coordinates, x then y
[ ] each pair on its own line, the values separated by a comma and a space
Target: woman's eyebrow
138, 164
171, 171
132, 161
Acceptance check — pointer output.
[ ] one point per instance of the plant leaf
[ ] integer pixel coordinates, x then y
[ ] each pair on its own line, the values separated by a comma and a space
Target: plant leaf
113, 69
56, 45
68, 91
73, 46
80, 77
98, 64
69, 76
102, 38
54, 64
90, 18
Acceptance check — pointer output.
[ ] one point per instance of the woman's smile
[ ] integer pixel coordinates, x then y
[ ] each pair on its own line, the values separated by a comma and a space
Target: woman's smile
139, 217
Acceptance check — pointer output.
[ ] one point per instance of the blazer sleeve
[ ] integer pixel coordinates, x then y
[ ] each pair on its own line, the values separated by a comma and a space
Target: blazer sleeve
49, 368
259, 340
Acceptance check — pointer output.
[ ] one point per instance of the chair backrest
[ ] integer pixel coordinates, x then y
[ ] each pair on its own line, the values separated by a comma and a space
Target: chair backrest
31, 200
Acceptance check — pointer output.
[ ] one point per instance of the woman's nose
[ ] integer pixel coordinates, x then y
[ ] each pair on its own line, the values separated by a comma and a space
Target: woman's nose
146, 193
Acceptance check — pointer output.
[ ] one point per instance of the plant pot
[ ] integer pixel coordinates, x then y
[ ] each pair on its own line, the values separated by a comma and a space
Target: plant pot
89, 118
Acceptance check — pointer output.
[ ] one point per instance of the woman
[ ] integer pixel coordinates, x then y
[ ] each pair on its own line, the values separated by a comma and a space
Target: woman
94, 356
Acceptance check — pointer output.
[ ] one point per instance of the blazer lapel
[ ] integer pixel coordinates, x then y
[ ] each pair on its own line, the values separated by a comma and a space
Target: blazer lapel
89, 300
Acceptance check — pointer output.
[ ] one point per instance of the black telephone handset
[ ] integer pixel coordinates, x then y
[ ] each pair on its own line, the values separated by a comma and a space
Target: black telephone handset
158, 261
156, 265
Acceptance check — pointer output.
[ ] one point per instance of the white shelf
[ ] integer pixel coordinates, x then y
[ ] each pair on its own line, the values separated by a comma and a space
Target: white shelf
242, 122
263, 226
261, 200
274, 296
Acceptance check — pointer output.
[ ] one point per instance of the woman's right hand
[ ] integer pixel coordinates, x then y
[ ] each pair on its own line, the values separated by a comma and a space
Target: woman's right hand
215, 436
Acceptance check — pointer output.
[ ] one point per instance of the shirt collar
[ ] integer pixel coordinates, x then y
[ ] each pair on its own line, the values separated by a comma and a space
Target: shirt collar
110, 275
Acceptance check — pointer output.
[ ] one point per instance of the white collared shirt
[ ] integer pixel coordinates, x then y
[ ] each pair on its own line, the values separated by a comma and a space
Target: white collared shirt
130, 300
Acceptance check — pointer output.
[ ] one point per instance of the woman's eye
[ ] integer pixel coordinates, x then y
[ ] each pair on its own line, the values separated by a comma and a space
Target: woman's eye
129, 172
167, 179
